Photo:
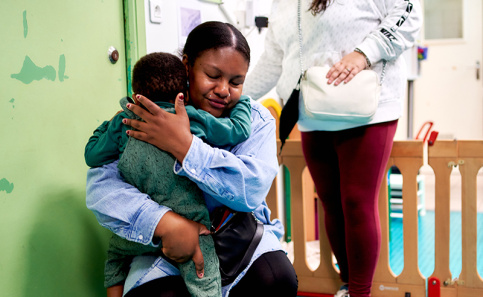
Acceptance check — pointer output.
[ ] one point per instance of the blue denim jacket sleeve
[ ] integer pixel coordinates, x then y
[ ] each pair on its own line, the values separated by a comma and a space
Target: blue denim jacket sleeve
239, 178
120, 207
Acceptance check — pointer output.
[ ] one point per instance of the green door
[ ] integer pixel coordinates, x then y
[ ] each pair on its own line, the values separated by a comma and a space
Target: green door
57, 85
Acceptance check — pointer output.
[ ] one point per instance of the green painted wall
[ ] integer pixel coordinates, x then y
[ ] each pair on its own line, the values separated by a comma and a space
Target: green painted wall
56, 86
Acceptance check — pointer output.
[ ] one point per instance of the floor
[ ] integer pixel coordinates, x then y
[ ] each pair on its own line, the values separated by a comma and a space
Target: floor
426, 230
426, 244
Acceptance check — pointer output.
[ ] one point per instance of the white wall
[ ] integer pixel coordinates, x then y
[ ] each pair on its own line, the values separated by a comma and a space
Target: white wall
165, 36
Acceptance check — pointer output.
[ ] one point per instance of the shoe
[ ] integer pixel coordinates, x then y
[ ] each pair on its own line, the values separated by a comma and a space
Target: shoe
343, 291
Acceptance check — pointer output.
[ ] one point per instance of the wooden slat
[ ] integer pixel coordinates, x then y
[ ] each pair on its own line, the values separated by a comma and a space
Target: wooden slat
272, 200
309, 205
469, 272
409, 167
442, 157
383, 271
442, 173
295, 166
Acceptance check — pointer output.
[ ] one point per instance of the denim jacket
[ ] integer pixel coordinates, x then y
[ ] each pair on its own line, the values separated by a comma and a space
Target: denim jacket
238, 177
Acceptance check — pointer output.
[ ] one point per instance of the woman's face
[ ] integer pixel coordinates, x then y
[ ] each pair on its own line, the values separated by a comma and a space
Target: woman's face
216, 80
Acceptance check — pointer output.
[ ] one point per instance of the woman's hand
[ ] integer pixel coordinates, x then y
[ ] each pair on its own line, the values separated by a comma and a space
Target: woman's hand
167, 131
347, 68
180, 239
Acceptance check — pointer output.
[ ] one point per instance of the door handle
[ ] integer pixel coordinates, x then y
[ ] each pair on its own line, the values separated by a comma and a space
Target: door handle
114, 55
478, 67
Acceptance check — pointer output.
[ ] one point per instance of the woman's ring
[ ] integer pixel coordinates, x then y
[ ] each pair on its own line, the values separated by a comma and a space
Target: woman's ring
348, 70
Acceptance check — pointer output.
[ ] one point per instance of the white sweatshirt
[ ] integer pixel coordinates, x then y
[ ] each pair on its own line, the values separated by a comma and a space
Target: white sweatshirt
382, 29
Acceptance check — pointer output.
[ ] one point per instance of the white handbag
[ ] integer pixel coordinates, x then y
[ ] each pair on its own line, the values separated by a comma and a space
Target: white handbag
355, 101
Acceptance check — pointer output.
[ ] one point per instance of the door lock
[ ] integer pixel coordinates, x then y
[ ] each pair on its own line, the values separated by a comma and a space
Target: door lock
478, 68
113, 55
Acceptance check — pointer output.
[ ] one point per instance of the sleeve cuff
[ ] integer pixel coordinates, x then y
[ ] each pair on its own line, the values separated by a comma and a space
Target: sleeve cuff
371, 50
146, 223
195, 160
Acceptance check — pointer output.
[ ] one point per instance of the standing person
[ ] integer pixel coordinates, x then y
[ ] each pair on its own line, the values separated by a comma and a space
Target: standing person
347, 161
162, 76
216, 57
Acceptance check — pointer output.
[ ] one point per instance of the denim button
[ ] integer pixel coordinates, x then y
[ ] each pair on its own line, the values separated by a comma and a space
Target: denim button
140, 237
193, 171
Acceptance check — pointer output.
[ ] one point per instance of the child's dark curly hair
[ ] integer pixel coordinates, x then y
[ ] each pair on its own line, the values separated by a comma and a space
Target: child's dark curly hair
159, 77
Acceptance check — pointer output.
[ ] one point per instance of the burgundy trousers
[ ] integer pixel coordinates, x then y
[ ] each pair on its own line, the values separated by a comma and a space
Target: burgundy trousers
347, 168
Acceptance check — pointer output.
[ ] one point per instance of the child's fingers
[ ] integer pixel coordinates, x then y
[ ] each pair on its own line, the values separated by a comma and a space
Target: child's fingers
199, 263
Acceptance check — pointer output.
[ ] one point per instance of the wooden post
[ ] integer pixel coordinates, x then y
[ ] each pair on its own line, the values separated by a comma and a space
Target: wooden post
470, 160
442, 158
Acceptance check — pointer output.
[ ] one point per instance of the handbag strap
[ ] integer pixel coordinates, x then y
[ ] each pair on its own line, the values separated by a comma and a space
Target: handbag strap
257, 237
302, 70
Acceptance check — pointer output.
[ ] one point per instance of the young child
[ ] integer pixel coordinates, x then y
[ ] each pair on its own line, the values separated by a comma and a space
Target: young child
160, 77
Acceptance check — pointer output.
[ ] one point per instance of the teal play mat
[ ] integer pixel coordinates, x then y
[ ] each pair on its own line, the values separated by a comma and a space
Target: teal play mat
426, 244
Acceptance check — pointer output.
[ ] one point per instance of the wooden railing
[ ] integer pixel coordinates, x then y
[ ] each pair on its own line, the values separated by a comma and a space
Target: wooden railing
443, 157
408, 156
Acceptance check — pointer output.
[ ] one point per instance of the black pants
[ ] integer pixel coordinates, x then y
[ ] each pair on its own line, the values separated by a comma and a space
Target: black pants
271, 274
